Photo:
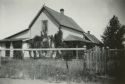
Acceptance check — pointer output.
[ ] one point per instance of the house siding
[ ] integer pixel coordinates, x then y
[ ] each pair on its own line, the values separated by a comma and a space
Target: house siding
67, 32
37, 27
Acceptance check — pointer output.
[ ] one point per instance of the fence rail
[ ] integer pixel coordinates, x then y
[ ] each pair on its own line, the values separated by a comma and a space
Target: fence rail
37, 49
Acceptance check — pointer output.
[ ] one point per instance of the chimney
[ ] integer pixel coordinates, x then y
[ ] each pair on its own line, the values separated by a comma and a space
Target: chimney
88, 32
62, 11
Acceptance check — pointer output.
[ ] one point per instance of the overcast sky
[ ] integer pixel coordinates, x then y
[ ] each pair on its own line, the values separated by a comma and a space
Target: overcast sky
91, 15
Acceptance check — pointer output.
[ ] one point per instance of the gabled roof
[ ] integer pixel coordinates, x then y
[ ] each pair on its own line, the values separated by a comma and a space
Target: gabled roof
64, 20
61, 19
23, 31
14, 39
92, 38
76, 38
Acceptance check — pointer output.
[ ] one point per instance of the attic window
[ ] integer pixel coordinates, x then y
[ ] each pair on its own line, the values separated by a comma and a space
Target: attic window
45, 26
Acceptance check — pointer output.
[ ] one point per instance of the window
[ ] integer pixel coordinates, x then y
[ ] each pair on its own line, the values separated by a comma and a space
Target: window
45, 26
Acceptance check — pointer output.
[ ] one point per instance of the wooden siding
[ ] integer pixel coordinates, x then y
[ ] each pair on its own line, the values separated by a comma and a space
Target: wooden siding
37, 26
67, 32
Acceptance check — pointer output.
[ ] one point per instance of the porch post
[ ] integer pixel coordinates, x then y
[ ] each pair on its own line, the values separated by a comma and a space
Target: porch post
2, 51
77, 56
0, 56
11, 49
25, 46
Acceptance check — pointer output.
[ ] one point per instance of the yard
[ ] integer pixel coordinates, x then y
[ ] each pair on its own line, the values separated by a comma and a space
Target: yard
46, 69
52, 70
20, 81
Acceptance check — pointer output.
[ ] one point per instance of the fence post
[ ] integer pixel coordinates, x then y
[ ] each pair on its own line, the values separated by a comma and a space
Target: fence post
77, 55
107, 56
84, 58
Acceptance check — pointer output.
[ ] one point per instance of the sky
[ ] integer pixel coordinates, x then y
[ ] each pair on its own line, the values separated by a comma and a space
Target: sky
90, 15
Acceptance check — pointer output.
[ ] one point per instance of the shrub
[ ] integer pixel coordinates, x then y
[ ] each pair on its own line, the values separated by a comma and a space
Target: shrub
18, 55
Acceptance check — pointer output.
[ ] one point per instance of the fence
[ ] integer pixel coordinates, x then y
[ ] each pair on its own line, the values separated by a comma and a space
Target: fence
48, 52
104, 61
97, 61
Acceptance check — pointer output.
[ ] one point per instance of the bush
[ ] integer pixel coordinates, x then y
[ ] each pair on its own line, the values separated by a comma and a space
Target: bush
18, 55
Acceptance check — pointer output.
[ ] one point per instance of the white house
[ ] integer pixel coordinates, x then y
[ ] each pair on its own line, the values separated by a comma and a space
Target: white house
53, 21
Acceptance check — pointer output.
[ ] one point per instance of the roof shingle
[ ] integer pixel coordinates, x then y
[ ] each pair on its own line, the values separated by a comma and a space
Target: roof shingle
92, 38
64, 20
76, 38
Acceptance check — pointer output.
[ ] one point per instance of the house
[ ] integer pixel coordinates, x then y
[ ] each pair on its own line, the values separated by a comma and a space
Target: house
51, 21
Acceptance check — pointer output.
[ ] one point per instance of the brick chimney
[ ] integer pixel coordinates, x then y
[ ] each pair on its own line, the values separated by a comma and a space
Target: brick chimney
88, 32
62, 11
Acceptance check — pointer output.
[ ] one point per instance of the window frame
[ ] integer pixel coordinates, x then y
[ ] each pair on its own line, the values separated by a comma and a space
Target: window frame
44, 25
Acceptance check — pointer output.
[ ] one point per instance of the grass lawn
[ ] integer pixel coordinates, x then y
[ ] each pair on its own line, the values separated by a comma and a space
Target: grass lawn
20, 81
45, 69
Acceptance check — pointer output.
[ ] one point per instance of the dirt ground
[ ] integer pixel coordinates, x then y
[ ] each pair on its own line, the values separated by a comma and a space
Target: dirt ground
28, 81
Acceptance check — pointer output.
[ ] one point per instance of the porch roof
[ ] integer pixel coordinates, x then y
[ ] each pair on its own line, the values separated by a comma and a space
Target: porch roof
92, 38
76, 38
15, 39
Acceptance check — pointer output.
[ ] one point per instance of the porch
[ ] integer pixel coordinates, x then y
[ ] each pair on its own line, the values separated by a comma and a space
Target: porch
73, 41
13, 44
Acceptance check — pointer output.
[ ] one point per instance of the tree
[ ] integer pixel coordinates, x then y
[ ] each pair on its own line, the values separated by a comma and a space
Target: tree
119, 36
109, 36
39, 42
58, 39
36, 42
120, 70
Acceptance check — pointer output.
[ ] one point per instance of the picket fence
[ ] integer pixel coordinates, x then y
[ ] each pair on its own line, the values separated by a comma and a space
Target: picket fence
104, 61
